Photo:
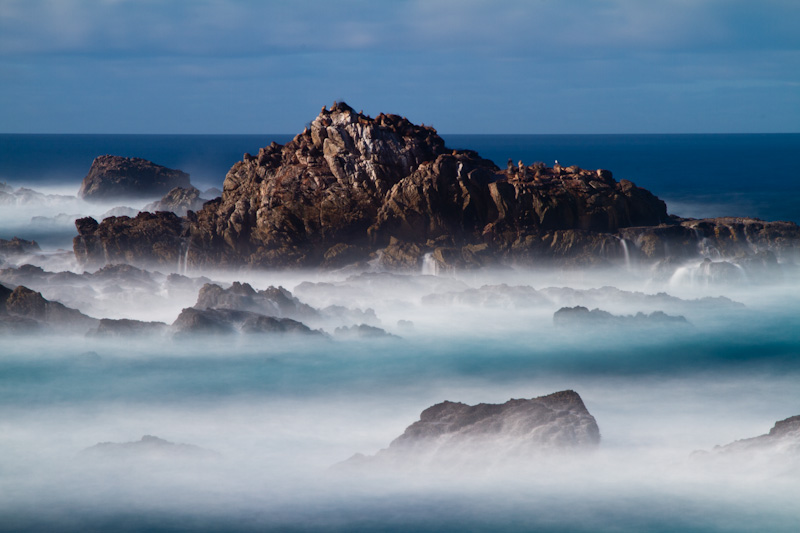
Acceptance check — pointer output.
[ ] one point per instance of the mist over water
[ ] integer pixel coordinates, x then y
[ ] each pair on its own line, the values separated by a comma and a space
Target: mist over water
275, 416
279, 412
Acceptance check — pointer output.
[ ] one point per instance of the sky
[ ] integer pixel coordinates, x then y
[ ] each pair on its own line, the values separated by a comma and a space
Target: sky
463, 66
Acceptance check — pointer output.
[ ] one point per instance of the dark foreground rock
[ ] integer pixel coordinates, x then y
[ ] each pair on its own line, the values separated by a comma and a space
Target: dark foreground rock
113, 177
193, 322
456, 434
24, 310
148, 238
351, 188
580, 316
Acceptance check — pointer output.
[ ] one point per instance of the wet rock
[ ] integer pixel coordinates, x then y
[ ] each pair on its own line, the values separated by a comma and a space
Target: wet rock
17, 247
179, 200
274, 301
631, 302
126, 328
194, 321
147, 239
362, 331
269, 324
113, 177
120, 211
31, 304
503, 296
127, 275
207, 322
581, 316
18, 325
12, 324
454, 434
354, 189
26, 308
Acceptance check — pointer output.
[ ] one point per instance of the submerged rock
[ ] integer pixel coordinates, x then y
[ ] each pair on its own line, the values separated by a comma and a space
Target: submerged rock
113, 177
582, 316
784, 437
148, 448
362, 331
455, 434
194, 321
125, 327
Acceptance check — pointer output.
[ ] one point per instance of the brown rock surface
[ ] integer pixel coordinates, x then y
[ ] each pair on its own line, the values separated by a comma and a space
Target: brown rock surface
24, 303
145, 239
453, 433
351, 187
113, 177
179, 200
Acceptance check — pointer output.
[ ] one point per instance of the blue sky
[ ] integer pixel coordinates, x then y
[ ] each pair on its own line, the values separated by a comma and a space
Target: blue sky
466, 66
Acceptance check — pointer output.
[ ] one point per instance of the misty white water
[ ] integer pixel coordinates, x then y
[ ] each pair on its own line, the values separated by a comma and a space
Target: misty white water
280, 411
429, 265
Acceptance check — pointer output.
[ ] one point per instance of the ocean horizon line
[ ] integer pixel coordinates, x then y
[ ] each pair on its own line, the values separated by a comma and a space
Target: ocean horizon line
440, 133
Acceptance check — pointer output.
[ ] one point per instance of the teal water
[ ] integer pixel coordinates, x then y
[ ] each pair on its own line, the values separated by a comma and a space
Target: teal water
281, 412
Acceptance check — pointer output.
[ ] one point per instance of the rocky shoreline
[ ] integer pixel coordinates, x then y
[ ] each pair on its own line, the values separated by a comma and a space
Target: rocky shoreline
351, 189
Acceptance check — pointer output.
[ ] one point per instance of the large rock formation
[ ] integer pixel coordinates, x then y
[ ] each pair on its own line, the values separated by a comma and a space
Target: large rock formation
112, 177
351, 187
452, 433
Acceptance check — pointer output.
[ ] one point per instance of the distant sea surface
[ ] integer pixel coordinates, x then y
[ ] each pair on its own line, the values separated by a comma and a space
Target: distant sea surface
697, 175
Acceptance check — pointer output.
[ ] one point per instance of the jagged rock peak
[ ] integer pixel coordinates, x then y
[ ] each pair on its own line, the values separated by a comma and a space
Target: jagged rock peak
455, 434
355, 145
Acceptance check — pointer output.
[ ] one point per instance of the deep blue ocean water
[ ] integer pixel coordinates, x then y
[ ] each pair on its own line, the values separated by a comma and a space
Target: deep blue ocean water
698, 175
